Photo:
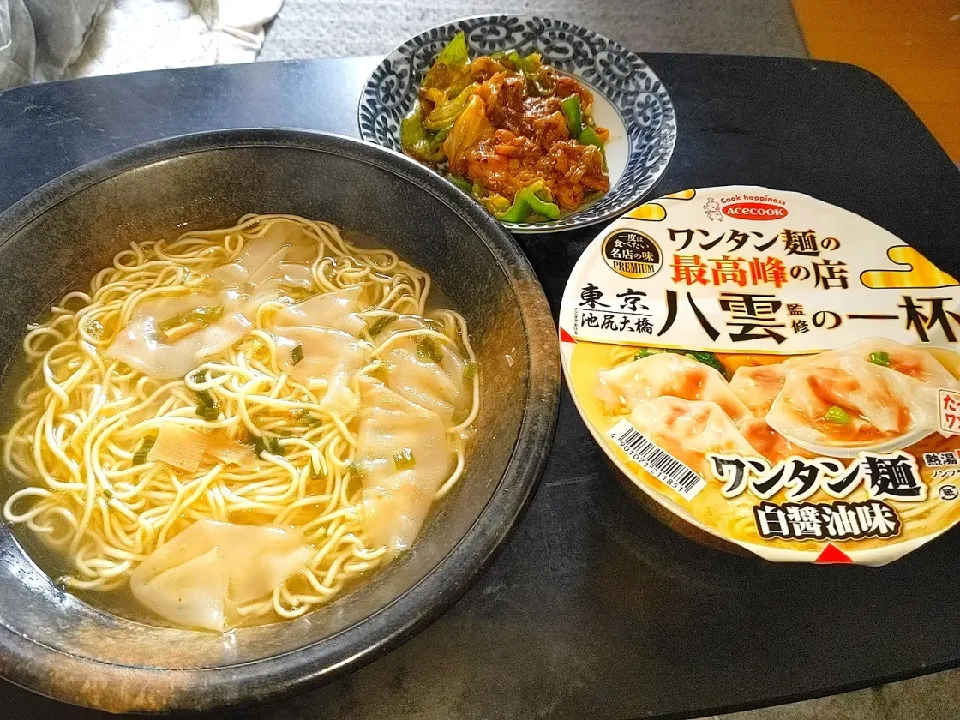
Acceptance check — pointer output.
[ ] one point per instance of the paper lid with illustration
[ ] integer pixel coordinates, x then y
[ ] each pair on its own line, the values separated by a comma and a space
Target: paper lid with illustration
775, 370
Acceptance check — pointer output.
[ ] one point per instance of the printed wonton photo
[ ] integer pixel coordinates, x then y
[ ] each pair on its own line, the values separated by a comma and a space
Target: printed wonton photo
783, 454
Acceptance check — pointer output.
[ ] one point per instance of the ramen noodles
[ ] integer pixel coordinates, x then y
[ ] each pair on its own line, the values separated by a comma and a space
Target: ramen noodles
233, 426
773, 370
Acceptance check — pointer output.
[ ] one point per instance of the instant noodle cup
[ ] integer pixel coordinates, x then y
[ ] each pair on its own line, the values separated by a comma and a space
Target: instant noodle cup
771, 371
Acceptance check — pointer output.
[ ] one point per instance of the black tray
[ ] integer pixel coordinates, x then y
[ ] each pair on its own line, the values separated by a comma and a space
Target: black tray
594, 609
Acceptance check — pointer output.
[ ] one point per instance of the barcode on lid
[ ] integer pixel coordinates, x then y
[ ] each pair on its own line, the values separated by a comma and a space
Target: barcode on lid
656, 461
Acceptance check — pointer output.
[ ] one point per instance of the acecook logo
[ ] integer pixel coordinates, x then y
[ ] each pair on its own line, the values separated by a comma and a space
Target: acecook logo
755, 211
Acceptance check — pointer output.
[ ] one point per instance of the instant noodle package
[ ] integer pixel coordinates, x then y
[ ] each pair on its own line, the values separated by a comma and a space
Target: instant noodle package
775, 371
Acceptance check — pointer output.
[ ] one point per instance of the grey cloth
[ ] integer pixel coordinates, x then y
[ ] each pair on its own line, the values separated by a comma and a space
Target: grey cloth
40, 38
335, 28
17, 44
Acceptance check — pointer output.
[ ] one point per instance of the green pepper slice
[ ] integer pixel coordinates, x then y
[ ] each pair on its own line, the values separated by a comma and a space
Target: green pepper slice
527, 202
455, 53
461, 183
570, 107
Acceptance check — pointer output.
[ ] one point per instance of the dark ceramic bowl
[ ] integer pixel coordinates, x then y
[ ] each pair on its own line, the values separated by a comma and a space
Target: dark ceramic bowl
55, 644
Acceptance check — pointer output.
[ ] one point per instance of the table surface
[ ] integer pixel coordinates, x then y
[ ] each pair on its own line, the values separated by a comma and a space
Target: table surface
593, 608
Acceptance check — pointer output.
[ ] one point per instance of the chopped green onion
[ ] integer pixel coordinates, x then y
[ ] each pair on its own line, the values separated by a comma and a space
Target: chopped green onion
403, 459
205, 398
267, 443
880, 357
208, 412
140, 456
427, 350
645, 352
205, 314
380, 323
837, 415
470, 371
570, 107
355, 470
274, 446
296, 355
207, 406
171, 323
208, 314
302, 415
180, 326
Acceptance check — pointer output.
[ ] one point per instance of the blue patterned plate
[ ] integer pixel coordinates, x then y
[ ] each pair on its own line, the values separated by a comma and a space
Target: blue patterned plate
629, 99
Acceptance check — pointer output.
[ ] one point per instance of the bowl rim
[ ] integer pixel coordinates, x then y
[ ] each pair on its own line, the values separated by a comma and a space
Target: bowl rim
635, 196
125, 688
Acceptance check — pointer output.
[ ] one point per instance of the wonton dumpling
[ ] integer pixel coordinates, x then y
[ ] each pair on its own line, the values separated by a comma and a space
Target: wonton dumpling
198, 578
261, 258
435, 386
190, 593
397, 501
767, 441
334, 310
332, 355
912, 361
689, 429
295, 275
880, 404
758, 386
653, 376
393, 516
140, 345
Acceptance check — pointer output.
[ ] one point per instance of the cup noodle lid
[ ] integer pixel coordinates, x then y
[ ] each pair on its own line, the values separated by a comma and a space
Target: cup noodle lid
774, 370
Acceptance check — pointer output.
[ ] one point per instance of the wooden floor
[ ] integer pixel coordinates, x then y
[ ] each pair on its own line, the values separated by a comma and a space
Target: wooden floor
912, 44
